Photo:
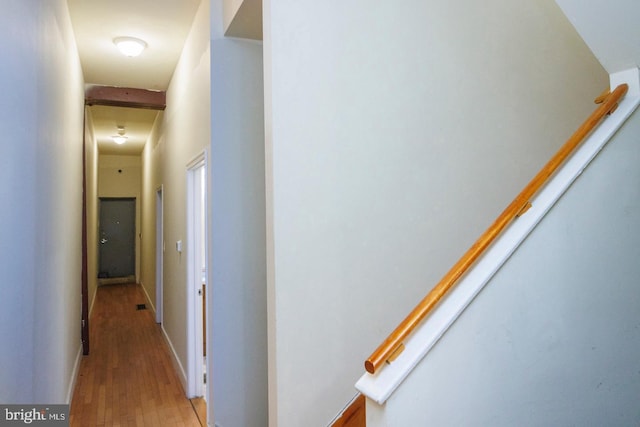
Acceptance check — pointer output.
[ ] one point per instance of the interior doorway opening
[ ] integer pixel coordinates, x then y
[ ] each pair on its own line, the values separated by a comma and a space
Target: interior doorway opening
159, 254
197, 275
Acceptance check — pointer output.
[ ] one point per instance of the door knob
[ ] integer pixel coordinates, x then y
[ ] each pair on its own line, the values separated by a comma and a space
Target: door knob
103, 241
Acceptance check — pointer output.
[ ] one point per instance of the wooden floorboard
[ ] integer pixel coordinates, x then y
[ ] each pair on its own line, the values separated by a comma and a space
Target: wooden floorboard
200, 406
128, 379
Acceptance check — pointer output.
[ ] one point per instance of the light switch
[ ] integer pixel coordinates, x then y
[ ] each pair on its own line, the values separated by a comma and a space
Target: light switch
179, 246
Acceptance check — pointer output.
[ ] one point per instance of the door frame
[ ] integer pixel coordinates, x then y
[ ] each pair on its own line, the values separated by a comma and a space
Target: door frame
159, 253
196, 206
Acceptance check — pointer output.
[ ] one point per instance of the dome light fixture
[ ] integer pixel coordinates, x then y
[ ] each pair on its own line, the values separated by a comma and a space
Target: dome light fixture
130, 46
120, 138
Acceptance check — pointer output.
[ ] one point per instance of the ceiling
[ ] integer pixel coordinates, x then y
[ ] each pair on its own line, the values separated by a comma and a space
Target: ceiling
162, 24
608, 27
137, 122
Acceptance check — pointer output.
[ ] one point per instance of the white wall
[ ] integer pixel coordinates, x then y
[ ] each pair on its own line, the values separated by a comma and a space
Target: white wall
554, 338
121, 176
41, 191
60, 125
238, 266
19, 51
395, 135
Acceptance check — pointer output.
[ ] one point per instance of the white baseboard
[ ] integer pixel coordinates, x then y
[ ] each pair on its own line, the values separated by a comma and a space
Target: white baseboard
151, 304
76, 364
182, 375
117, 280
74, 376
93, 302
174, 356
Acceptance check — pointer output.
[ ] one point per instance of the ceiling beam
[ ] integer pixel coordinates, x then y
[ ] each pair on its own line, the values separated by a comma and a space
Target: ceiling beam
125, 97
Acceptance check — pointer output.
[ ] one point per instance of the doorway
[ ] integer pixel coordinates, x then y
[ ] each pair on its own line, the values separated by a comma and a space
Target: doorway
197, 275
159, 254
117, 253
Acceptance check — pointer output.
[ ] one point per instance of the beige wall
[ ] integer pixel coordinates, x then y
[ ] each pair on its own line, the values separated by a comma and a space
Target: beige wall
395, 135
229, 10
151, 182
91, 158
182, 133
121, 176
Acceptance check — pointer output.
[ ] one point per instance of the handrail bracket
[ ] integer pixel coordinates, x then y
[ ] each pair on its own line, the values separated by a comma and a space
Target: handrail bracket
602, 97
395, 353
524, 209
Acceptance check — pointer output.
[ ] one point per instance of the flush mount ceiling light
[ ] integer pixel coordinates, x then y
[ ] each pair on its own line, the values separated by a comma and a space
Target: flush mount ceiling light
130, 46
120, 138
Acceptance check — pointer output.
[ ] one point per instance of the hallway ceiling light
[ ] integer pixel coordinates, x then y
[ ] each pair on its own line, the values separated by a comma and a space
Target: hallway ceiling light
120, 138
130, 46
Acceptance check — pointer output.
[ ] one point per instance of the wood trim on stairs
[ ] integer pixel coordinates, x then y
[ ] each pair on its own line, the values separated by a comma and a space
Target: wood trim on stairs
354, 415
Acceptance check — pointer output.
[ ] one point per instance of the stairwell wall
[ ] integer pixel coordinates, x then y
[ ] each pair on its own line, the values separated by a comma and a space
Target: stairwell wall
554, 337
395, 134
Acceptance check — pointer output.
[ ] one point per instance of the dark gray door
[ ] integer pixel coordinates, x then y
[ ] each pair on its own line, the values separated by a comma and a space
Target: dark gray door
117, 237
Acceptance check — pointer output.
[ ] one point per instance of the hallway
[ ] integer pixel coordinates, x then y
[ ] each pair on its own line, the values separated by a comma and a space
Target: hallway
128, 378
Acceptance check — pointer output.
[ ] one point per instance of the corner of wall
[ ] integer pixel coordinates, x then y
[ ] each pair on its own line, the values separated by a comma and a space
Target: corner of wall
149, 299
243, 19
630, 77
230, 10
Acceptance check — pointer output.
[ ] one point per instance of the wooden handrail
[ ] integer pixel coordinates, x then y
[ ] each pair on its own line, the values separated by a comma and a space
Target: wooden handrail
392, 346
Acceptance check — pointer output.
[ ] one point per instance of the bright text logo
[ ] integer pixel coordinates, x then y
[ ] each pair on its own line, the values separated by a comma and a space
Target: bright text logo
39, 415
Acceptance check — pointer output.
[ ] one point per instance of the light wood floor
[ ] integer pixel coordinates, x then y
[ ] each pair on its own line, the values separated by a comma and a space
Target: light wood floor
128, 379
